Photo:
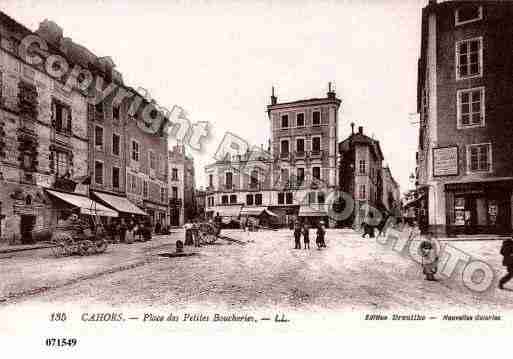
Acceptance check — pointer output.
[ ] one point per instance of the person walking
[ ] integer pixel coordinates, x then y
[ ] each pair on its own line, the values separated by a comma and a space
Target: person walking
122, 231
507, 261
297, 235
321, 232
306, 236
195, 233
429, 259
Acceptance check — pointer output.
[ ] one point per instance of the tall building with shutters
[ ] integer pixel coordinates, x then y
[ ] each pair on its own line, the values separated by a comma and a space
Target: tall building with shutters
465, 89
293, 177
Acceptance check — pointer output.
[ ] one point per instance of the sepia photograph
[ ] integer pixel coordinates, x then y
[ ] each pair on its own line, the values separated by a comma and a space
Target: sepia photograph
262, 167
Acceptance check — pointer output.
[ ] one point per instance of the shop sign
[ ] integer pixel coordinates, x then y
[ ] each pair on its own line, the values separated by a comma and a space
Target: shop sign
445, 161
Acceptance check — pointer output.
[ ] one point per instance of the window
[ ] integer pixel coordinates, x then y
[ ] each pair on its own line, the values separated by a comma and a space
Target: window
1, 84
233, 198
285, 147
115, 144
99, 107
98, 172
249, 199
174, 174
115, 177
281, 198
362, 167
316, 173
284, 176
62, 163
133, 184
115, 113
300, 120
316, 144
175, 192
300, 145
98, 137
153, 160
471, 108
135, 150
469, 58
363, 194
163, 195
285, 121
316, 118
479, 157
145, 189
300, 176
228, 179
289, 198
258, 199
224, 199
311, 197
468, 13
254, 179
211, 180
61, 115
320, 197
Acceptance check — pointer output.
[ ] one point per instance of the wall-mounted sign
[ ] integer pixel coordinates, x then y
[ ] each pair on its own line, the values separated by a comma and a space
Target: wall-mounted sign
445, 161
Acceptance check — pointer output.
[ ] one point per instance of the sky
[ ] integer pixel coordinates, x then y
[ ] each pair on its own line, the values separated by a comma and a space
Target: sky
219, 59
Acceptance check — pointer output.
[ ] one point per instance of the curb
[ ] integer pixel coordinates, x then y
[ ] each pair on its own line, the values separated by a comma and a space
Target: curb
22, 249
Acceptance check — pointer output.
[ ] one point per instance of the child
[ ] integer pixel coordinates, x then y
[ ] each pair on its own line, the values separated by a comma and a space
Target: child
429, 260
306, 236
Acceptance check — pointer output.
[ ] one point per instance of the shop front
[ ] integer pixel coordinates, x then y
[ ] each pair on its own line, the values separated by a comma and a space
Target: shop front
479, 207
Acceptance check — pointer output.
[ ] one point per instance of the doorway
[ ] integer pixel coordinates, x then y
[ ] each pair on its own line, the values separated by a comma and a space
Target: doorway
27, 224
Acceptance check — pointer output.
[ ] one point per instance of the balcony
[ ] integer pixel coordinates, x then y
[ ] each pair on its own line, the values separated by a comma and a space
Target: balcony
316, 154
284, 155
255, 186
64, 184
175, 202
300, 154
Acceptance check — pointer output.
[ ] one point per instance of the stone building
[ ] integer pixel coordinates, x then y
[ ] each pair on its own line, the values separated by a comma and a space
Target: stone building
293, 177
62, 151
464, 170
361, 174
44, 138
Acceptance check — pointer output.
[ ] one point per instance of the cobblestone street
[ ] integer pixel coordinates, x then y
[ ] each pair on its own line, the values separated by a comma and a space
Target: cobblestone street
352, 273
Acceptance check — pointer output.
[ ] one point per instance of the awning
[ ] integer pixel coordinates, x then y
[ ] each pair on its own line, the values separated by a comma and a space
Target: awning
270, 213
228, 211
86, 205
307, 211
252, 211
120, 204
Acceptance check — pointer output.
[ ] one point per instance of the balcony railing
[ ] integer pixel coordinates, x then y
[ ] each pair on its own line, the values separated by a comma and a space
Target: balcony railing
316, 154
284, 155
300, 154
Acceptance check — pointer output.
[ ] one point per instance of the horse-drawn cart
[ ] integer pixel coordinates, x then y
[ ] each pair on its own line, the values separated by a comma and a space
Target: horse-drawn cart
208, 232
75, 236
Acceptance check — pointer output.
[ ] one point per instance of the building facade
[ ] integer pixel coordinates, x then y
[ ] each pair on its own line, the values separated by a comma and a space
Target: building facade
182, 184
60, 151
361, 174
464, 171
293, 177
44, 138
391, 196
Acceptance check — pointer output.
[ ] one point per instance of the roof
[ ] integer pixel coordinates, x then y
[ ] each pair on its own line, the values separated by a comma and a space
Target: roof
360, 138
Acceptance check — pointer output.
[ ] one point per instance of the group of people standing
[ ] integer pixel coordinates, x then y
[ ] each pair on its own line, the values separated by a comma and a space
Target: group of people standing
129, 230
303, 229
192, 233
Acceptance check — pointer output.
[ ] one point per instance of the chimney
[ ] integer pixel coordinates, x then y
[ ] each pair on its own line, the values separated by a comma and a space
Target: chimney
331, 92
274, 99
360, 130
352, 128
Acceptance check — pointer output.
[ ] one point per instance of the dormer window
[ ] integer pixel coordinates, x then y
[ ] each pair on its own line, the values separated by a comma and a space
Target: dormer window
468, 13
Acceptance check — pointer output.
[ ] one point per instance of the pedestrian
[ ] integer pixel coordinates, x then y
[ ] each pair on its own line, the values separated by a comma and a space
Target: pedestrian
306, 236
195, 233
188, 234
429, 259
321, 232
507, 261
297, 235
158, 227
122, 231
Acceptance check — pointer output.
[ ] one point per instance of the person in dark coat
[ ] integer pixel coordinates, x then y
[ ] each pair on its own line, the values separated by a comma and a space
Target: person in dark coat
507, 261
321, 233
158, 227
297, 235
306, 236
122, 231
